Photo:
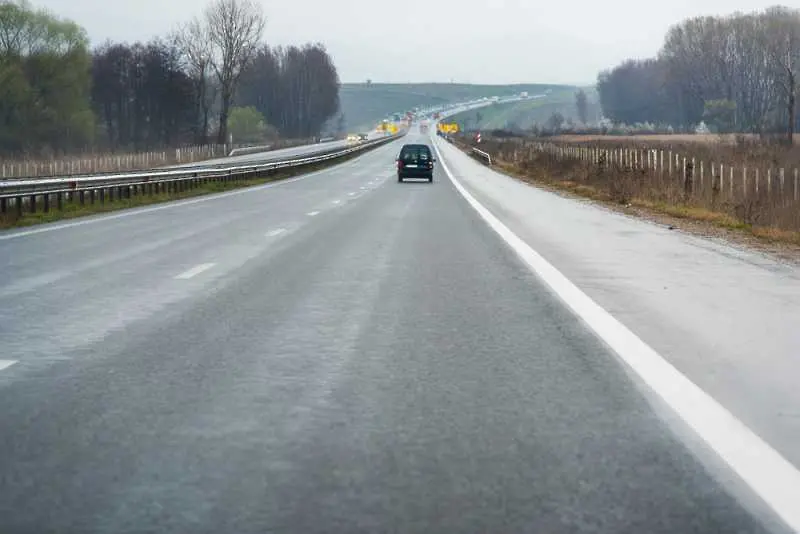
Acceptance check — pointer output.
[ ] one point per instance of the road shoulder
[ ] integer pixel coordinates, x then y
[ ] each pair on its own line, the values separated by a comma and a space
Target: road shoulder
723, 316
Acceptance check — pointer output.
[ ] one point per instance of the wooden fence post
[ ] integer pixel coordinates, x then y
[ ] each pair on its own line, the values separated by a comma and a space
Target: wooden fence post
702, 174
744, 181
769, 181
670, 163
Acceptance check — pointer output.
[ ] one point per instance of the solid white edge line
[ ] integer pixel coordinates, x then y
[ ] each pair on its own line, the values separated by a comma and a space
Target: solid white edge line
194, 271
762, 468
312, 213
5, 364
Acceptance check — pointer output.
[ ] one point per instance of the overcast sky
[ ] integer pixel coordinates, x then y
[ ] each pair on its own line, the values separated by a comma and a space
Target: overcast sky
472, 41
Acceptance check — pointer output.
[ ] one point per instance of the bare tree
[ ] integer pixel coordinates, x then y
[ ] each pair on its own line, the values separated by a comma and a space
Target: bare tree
295, 88
582, 105
784, 51
750, 62
195, 45
235, 28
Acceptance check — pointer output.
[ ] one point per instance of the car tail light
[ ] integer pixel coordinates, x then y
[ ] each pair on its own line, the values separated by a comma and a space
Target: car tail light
399, 164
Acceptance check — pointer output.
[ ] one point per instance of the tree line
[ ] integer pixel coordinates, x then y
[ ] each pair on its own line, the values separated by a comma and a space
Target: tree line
58, 95
736, 73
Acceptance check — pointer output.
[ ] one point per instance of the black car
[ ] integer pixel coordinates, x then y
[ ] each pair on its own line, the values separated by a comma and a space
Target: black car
415, 161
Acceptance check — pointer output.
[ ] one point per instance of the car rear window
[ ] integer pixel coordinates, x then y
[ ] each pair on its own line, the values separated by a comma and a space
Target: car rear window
415, 153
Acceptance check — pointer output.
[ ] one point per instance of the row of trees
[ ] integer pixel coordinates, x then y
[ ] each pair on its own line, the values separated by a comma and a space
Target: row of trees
296, 89
737, 73
58, 95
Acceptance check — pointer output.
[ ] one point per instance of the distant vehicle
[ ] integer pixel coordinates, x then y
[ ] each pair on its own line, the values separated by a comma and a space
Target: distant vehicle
415, 161
353, 138
363, 137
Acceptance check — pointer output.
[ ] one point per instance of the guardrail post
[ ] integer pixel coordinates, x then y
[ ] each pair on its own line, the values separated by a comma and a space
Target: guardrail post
3, 205
60, 201
18, 205
102, 193
33, 203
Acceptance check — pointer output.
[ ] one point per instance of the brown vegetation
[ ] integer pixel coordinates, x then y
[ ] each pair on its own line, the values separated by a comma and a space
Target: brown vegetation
708, 139
762, 201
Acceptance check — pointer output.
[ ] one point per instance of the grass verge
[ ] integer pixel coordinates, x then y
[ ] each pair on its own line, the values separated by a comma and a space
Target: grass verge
73, 209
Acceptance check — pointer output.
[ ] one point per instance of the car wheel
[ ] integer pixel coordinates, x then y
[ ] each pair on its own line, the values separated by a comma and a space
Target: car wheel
399, 179
430, 178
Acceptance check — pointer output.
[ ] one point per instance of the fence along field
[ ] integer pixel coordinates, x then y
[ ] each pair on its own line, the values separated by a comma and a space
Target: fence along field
106, 163
756, 190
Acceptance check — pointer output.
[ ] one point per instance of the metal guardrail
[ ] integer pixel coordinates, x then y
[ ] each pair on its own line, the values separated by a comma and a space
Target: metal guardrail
17, 195
482, 154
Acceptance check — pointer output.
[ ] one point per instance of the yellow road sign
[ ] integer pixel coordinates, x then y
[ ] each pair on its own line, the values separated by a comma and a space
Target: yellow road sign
449, 128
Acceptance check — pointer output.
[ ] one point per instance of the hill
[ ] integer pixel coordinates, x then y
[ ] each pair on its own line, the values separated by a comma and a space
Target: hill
525, 114
364, 104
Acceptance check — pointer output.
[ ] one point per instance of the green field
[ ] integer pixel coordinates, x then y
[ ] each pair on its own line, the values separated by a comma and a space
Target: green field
364, 105
524, 114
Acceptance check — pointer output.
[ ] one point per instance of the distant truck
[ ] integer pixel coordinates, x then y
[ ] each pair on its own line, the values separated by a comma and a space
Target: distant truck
524, 94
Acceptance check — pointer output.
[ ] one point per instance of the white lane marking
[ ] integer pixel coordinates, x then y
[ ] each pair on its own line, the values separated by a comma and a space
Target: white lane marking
763, 468
276, 232
336, 202
194, 271
352, 194
5, 364
167, 206
312, 213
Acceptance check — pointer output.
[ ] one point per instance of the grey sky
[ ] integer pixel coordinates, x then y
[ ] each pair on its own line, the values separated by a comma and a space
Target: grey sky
477, 41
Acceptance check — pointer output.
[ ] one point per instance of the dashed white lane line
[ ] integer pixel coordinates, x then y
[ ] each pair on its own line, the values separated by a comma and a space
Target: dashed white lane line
312, 213
276, 232
5, 364
352, 194
194, 271
769, 475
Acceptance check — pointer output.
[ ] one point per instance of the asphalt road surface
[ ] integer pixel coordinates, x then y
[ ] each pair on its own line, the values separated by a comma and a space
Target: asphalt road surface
336, 353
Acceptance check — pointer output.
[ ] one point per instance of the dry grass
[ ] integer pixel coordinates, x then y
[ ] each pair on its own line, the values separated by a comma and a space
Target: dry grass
707, 139
766, 217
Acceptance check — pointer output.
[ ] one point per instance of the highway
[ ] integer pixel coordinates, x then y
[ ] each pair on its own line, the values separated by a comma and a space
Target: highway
332, 353
270, 155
